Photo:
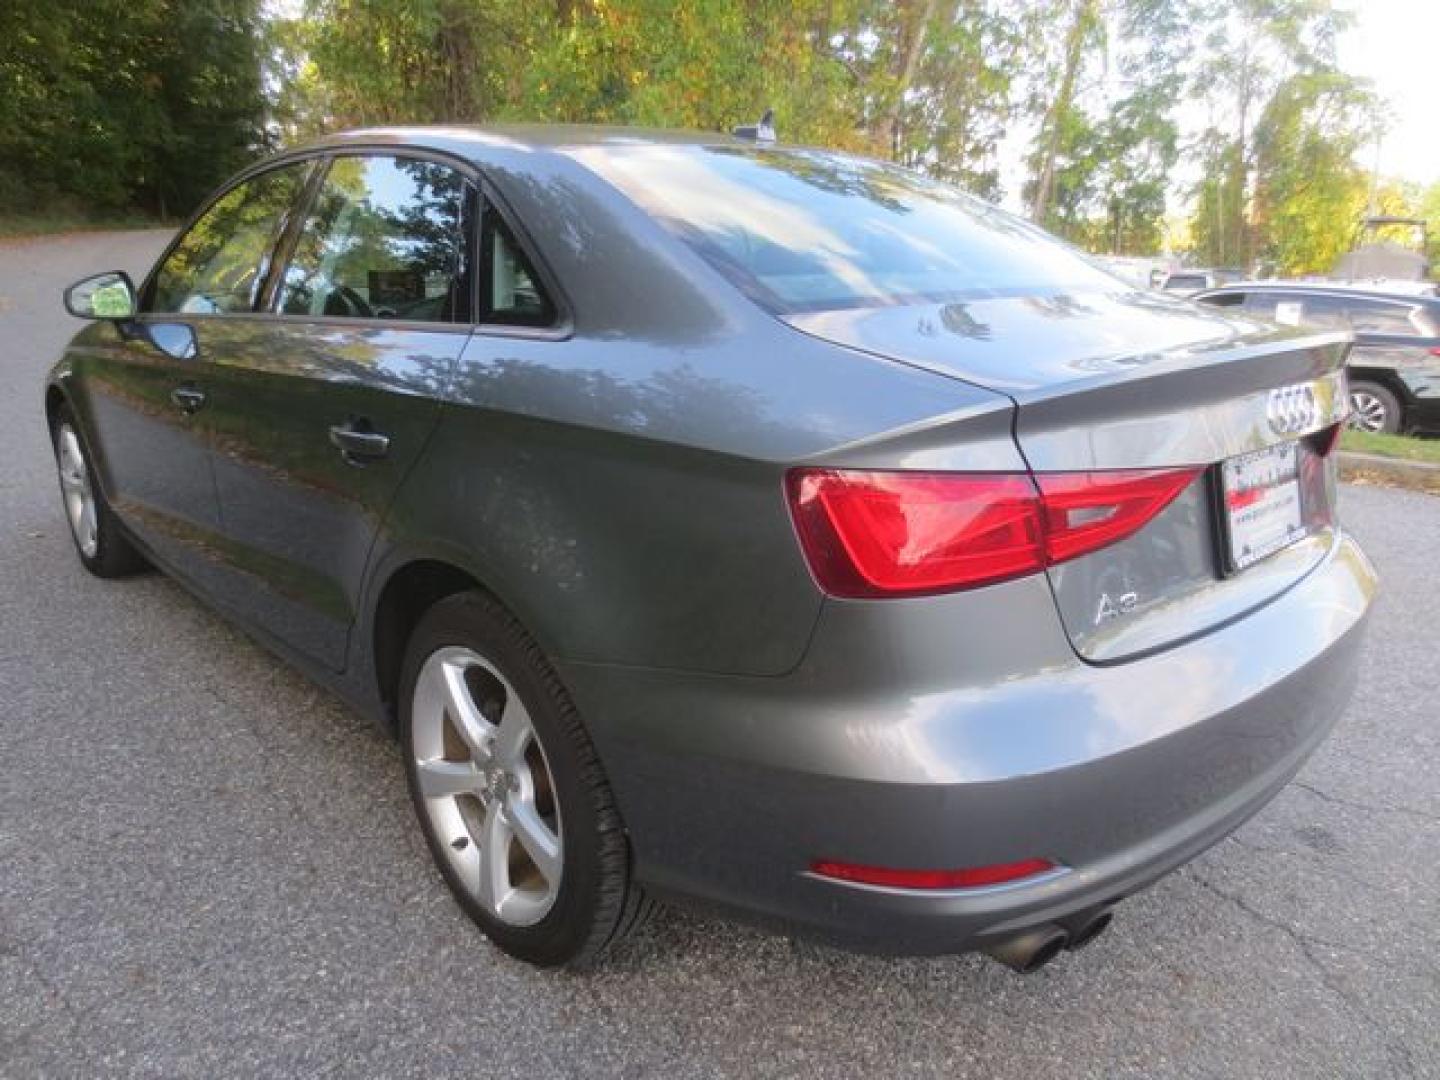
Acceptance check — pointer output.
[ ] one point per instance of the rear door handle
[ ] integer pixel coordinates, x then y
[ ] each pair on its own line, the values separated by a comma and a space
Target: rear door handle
357, 443
188, 399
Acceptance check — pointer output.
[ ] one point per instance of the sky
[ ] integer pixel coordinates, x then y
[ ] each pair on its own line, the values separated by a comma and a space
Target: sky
1394, 43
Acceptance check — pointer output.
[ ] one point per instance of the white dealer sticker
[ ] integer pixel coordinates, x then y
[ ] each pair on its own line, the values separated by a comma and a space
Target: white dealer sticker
1262, 503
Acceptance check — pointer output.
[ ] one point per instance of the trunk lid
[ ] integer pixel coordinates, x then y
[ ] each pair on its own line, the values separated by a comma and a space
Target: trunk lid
1130, 381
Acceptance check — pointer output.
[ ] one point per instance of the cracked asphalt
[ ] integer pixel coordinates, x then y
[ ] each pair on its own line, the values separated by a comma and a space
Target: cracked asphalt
208, 867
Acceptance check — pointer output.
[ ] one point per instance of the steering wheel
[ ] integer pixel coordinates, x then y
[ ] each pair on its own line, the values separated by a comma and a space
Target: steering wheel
352, 300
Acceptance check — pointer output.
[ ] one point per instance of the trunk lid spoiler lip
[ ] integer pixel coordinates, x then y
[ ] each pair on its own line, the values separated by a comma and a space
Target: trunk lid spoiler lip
1190, 403
1168, 362
1108, 344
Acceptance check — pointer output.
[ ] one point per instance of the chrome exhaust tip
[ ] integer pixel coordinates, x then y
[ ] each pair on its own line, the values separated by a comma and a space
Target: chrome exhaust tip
1030, 950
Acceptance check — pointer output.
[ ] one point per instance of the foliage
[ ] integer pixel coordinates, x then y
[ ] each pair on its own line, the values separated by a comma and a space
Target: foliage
112, 107
1279, 188
1308, 189
143, 107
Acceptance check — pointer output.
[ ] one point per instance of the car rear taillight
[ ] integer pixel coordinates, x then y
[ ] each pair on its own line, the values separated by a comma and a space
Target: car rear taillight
1328, 439
970, 877
1091, 510
882, 534
1317, 477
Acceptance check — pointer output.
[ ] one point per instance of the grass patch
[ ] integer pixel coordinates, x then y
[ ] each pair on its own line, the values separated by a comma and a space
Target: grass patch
1405, 447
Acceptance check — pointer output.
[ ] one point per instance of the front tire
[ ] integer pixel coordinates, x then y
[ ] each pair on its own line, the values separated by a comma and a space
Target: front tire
99, 539
508, 788
1374, 408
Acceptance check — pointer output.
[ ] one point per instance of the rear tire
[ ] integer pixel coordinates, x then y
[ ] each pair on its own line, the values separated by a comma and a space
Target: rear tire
99, 538
509, 791
1375, 409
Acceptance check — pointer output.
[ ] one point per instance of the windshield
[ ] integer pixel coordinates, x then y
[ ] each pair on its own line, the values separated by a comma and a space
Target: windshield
804, 230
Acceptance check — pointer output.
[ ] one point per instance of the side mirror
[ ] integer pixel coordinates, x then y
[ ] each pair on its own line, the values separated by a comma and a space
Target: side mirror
103, 296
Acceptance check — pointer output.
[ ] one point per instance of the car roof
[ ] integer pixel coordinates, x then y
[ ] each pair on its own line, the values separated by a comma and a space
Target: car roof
455, 138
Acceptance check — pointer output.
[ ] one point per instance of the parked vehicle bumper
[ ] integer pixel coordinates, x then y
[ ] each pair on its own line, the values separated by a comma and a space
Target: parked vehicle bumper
886, 748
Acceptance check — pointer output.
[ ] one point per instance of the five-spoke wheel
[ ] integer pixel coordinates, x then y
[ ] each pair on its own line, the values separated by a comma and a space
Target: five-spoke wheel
485, 785
510, 793
75, 488
103, 547
1373, 408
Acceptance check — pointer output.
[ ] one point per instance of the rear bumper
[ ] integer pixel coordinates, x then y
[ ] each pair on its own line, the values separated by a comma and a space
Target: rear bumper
966, 733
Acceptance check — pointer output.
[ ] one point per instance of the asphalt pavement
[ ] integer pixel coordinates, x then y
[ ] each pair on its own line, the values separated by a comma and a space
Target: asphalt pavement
208, 866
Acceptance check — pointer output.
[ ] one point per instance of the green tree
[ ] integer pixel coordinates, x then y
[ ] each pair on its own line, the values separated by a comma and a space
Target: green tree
1248, 50
1063, 128
1309, 192
113, 107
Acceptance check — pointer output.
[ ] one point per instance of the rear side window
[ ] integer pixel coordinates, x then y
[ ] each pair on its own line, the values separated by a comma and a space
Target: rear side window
511, 294
219, 265
383, 239
804, 230
1379, 317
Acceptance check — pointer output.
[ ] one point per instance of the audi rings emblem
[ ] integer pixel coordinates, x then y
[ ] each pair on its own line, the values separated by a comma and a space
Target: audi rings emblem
1293, 409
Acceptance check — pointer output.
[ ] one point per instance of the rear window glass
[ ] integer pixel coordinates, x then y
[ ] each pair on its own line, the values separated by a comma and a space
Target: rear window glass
1378, 317
806, 230
1331, 312
1223, 299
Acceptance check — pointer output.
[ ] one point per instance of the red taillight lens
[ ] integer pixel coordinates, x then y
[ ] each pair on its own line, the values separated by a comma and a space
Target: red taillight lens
1086, 511
876, 534
969, 877
1327, 440
894, 534
1317, 477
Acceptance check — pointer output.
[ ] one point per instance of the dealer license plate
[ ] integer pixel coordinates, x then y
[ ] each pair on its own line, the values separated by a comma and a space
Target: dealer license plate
1263, 512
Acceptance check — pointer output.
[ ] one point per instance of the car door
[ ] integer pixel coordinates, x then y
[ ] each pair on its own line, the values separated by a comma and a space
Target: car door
145, 405
318, 414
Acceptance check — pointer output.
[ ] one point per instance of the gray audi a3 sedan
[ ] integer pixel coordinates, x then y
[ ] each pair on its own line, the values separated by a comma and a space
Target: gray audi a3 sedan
719, 520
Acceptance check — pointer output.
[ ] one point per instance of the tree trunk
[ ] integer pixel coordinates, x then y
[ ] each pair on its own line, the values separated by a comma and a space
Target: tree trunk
1054, 116
915, 24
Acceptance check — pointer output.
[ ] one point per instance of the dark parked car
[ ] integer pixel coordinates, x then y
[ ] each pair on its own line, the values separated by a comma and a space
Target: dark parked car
1395, 363
717, 520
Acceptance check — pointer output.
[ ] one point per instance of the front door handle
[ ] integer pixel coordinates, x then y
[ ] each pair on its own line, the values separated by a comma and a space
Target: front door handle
358, 444
188, 399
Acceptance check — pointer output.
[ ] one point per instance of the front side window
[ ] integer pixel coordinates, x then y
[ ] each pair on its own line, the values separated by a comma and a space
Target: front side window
384, 239
218, 267
1300, 309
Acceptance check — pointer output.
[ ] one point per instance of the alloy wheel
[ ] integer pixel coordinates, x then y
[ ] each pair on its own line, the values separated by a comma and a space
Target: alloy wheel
80, 506
1367, 412
486, 786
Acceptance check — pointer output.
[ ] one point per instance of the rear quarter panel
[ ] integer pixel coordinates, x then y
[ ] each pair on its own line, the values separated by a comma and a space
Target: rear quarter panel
626, 498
